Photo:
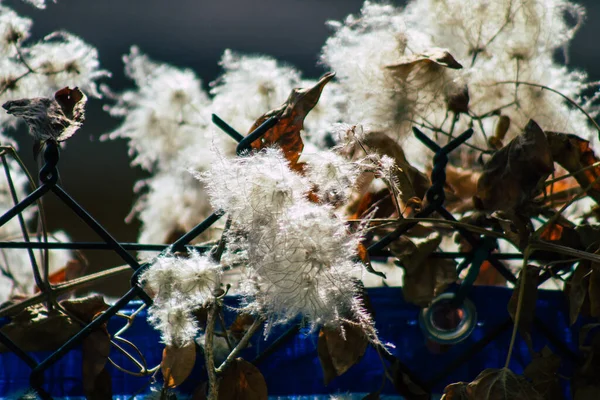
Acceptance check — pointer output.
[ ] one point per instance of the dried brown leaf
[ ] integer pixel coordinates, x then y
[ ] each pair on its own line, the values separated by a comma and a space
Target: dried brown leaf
489, 276
177, 364
501, 384
85, 308
34, 329
456, 391
563, 233
515, 174
242, 381
578, 289
434, 58
543, 373
594, 290
286, 133
51, 119
586, 381
528, 302
461, 187
339, 349
96, 379
493, 384
574, 153
424, 276
411, 182
382, 200
102, 387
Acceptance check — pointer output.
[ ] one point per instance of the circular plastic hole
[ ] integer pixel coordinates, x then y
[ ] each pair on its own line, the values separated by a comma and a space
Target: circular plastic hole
446, 317
446, 323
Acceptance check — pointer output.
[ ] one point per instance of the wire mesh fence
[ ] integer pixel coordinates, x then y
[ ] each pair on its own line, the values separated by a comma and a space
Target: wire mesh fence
458, 298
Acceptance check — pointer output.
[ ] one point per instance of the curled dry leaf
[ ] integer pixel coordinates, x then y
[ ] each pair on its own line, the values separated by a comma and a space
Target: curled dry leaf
515, 174
339, 349
461, 187
286, 133
516, 227
560, 188
594, 290
574, 154
95, 348
529, 281
577, 289
424, 276
51, 119
411, 181
36, 329
363, 256
586, 383
434, 58
97, 381
85, 308
242, 381
563, 233
493, 384
177, 364
543, 373
381, 202
489, 276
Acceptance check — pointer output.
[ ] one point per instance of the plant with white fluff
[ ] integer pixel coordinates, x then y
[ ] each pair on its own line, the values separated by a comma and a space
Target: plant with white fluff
334, 176
254, 190
497, 44
299, 257
302, 266
250, 85
180, 285
163, 115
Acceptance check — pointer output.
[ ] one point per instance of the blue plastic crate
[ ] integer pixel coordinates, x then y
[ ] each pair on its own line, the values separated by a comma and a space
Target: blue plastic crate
294, 369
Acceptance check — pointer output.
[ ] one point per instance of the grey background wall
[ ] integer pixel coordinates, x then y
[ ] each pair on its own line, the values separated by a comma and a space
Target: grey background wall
186, 33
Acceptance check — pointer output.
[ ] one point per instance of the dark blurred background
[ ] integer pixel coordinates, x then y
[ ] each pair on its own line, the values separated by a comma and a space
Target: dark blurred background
193, 34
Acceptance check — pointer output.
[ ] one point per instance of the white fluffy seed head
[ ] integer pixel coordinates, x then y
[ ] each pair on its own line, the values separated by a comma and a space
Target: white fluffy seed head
254, 189
334, 177
301, 265
165, 114
171, 202
179, 286
193, 277
175, 322
249, 87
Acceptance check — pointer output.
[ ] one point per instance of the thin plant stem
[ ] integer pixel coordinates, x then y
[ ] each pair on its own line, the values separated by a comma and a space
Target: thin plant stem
522, 279
591, 166
209, 357
241, 345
